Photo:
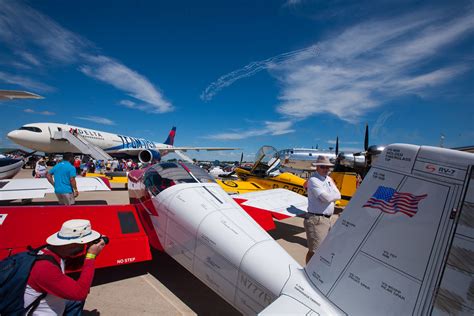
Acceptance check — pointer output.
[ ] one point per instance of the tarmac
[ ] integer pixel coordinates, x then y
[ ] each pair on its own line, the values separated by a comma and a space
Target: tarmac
161, 286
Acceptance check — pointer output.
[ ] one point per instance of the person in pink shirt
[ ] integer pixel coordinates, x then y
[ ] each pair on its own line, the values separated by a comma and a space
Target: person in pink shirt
64, 295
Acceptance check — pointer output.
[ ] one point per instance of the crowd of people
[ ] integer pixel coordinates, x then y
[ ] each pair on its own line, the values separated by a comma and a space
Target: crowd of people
101, 166
86, 165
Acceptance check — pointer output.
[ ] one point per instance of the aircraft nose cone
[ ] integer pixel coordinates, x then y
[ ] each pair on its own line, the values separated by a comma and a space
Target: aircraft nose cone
13, 135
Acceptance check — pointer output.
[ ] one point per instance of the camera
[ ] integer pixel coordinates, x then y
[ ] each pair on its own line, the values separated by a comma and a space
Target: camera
104, 238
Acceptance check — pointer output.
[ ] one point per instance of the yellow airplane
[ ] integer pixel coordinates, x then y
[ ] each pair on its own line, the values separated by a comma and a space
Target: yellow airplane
113, 177
262, 177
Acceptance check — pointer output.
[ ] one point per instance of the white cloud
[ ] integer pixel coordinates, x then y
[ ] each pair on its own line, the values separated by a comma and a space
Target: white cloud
364, 66
121, 77
368, 63
31, 111
270, 128
290, 3
30, 58
127, 103
97, 119
380, 123
24, 29
250, 70
333, 142
24, 82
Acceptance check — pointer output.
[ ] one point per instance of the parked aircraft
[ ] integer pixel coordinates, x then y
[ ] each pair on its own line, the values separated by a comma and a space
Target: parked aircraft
263, 175
15, 94
400, 248
9, 167
41, 137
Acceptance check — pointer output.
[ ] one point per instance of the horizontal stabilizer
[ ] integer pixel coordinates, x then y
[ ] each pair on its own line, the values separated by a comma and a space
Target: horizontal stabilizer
120, 223
282, 203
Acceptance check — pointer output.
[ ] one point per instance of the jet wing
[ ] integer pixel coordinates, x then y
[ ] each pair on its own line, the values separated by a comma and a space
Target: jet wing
199, 148
281, 203
136, 151
37, 188
13, 94
30, 226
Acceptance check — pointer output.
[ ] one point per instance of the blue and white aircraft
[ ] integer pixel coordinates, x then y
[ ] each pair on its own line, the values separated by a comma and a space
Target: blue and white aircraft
40, 137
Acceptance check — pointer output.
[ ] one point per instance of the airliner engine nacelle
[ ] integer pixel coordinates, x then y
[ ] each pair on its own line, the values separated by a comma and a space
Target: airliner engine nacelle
351, 160
147, 156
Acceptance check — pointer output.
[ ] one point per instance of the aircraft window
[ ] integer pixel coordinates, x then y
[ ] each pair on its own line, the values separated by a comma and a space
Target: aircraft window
31, 129
155, 183
163, 175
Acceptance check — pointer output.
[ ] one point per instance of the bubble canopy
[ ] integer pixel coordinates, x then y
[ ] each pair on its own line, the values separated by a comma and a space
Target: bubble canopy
161, 176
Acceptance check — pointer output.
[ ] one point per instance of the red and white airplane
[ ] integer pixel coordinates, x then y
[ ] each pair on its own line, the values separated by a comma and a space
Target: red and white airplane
403, 245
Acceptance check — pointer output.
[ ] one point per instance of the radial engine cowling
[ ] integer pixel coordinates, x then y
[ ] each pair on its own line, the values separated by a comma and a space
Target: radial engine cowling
147, 156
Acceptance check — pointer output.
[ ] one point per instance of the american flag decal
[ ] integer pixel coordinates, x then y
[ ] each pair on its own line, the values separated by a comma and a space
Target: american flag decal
390, 201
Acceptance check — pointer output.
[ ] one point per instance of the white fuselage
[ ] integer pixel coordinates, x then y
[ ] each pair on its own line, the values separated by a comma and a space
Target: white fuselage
39, 136
10, 169
303, 158
208, 233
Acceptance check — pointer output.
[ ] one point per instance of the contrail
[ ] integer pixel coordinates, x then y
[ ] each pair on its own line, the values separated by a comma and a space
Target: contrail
249, 70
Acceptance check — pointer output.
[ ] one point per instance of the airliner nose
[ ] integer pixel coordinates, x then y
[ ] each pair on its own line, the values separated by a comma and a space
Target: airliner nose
14, 135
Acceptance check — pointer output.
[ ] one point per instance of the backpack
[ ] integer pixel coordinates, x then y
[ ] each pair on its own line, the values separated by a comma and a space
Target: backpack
14, 273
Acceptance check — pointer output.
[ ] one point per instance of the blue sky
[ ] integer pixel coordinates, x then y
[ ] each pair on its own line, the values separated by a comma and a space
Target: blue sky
244, 73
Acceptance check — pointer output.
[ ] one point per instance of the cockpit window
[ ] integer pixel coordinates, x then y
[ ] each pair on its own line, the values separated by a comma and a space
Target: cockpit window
31, 129
164, 175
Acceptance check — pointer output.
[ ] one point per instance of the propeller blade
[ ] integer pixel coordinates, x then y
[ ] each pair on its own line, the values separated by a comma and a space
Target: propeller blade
366, 138
241, 158
337, 146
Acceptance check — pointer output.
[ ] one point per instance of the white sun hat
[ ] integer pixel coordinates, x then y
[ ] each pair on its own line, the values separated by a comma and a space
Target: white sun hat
74, 231
322, 161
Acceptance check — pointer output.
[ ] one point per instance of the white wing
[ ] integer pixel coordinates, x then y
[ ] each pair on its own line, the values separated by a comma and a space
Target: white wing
37, 188
280, 201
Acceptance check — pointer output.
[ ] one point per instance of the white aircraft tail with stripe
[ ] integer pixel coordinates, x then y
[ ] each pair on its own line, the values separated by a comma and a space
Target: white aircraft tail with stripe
403, 246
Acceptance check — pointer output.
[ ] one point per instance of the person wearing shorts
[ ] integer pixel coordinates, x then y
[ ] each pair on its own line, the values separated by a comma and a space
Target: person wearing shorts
63, 177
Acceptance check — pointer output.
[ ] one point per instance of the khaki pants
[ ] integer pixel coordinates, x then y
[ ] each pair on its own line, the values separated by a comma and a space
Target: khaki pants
66, 199
316, 227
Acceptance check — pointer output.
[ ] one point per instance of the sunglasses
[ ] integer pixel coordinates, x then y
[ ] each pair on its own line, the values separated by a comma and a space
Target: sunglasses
324, 167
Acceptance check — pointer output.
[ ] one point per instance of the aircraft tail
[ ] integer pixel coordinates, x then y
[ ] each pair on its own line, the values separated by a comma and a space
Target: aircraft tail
404, 244
170, 139
398, 246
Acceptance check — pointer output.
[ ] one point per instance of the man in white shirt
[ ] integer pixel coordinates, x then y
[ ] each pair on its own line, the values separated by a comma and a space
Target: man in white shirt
40, 169
322, 193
